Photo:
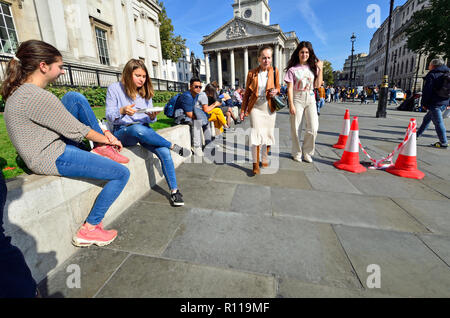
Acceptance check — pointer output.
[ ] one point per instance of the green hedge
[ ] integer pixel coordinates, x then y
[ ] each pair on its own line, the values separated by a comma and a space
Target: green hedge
96, 96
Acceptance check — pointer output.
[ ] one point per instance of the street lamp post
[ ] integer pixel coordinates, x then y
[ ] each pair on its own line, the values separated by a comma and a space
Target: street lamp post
417, 74
382, 102
353, 39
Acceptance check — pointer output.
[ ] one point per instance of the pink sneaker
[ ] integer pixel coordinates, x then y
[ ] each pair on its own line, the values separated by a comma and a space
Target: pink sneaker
97, 236
111, 153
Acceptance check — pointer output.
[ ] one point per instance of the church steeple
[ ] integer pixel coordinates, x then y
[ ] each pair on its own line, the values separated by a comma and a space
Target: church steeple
254, 10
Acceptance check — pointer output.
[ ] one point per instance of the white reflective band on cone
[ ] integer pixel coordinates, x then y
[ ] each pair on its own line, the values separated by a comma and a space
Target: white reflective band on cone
352, 144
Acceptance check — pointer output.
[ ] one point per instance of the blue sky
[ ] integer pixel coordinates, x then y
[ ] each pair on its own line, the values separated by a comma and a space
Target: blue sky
327, 24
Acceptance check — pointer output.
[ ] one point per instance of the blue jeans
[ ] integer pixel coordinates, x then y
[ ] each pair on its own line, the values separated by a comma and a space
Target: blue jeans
15, 276
77, 163
435, 115
150, 140
320, 104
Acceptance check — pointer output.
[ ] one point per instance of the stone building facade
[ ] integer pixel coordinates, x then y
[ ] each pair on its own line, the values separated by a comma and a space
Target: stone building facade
358, 70
98, 33
405, 66
231, 51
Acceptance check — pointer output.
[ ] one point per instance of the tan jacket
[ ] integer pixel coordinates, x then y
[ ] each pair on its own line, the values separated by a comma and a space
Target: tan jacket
251, 89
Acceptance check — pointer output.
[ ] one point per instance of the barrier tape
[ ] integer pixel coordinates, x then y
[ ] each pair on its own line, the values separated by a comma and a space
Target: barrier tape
379, 164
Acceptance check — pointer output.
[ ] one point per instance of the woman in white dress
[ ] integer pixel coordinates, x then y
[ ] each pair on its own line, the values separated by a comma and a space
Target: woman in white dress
262, 84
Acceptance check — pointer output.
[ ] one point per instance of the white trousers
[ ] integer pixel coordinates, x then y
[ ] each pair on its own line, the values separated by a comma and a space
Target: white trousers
305, 105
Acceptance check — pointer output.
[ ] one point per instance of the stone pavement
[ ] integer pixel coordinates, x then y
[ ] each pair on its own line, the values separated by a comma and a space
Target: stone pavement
307, 230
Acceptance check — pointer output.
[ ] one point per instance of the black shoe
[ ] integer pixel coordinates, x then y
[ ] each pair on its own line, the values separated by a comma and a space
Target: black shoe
177, 198
181, 151
439, 145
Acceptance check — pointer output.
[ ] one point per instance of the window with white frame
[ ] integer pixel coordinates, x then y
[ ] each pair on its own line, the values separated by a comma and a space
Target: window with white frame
102, 45
8, 35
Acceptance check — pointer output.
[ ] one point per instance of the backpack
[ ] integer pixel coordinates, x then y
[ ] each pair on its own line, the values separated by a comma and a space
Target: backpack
169, 109
441, 85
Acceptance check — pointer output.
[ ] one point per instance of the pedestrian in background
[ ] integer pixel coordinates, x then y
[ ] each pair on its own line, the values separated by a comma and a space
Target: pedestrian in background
435, 99
322, 96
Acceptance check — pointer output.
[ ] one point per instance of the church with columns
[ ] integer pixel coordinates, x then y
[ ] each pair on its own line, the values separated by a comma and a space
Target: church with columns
231, 50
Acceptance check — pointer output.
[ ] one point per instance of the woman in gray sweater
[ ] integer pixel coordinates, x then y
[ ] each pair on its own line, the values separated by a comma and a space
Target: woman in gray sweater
46, 131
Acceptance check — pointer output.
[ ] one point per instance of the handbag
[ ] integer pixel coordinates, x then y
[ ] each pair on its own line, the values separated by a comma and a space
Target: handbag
279, 101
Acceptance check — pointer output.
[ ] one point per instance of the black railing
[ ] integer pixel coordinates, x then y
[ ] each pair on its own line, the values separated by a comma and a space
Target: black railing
84, 76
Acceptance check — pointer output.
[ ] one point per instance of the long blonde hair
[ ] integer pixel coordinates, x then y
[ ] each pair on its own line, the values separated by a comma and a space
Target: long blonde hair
146, 91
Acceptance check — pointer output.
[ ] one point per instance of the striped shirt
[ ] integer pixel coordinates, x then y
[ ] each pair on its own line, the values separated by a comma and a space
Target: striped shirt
37, 123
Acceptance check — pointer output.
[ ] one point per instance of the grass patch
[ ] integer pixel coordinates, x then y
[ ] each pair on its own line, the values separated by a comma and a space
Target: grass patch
8, 155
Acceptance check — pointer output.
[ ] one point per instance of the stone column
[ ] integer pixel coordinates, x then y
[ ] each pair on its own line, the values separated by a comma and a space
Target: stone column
219, 68
233, 71
131, 28
276, 56
245, 65
207, 68
53, 23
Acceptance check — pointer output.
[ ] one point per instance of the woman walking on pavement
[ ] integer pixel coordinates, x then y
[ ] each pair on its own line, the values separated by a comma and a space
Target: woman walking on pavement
304, 73
262, 84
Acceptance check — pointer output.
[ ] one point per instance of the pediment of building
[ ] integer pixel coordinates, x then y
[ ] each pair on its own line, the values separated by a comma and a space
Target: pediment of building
239, 28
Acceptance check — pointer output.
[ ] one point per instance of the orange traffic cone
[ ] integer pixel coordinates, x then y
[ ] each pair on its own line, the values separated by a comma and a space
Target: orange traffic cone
406, 164
345, 131
350, 158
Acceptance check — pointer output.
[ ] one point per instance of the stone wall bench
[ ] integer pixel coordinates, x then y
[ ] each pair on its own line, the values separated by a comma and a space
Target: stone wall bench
43, 212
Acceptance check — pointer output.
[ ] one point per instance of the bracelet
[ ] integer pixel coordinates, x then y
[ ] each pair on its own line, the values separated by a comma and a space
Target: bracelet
105, 131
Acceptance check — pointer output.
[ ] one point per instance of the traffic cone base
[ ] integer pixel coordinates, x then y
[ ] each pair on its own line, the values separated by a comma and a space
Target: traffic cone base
341, 142
408, 169
350, 162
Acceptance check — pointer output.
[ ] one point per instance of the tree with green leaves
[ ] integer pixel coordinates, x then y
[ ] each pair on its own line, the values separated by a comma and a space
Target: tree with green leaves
172, 46
429, 29
328, 76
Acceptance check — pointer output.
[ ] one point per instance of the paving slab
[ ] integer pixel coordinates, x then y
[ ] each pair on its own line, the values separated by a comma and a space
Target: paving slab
196, 193
252, 199
434, 215
286, 162
203, 171
439, 244
408, 267
342, 208
330, 182
95, 266
391, 186
293, 288
282, 178
439, 185
148, 277
146, 227
268, 245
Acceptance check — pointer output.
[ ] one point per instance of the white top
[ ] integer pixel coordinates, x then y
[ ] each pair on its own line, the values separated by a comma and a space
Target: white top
262, 83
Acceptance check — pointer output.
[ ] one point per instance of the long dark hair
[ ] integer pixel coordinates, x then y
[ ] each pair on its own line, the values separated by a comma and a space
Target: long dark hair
312, 60
146, 91
28, 57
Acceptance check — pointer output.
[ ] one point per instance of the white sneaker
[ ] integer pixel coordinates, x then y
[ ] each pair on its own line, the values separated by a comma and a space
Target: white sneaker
297, 158
198, 151
307, 158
